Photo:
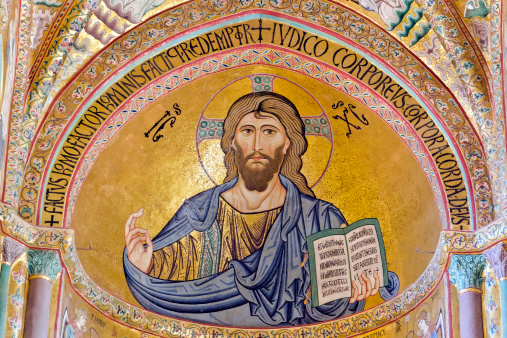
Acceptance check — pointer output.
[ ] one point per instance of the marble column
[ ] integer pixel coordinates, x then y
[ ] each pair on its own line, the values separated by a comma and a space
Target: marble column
43, 267
11, 250
497, 259
466, 274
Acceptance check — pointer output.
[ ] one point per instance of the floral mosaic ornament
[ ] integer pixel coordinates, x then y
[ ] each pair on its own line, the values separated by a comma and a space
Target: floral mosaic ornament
492, 328
16, 299
498, 140
140, 319
15, 322
451, 114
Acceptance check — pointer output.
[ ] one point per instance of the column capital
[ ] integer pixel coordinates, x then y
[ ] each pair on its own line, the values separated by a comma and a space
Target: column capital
497, 259
465, 272
43, 264
11, 250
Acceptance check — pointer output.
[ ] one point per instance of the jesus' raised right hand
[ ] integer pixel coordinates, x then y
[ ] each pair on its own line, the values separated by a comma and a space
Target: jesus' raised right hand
139, 254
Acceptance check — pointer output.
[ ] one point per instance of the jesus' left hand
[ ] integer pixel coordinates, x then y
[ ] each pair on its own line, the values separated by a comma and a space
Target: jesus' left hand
365, 290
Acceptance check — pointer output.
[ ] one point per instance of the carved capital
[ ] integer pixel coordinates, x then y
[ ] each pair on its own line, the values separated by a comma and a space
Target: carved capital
497, 259
11, 250
466, 270
43, 263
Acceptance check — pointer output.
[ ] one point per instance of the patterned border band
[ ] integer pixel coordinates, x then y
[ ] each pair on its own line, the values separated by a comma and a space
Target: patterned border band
5, 262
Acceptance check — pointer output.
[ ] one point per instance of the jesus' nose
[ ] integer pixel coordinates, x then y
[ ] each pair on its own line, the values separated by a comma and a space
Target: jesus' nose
257, 144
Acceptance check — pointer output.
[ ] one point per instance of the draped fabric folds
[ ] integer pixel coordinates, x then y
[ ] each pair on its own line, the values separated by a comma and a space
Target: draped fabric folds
267, 288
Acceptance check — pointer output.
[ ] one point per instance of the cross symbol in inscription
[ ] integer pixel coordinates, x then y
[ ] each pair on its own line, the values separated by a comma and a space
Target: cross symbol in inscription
260, 29
51, 221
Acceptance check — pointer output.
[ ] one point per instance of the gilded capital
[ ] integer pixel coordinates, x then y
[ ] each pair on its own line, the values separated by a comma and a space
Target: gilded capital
466, 271
497, 259
43, 263
11, 250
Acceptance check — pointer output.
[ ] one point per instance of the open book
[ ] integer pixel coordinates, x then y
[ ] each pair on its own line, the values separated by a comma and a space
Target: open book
337, 258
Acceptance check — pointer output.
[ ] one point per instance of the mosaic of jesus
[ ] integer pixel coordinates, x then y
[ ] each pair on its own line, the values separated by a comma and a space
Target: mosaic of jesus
237, 254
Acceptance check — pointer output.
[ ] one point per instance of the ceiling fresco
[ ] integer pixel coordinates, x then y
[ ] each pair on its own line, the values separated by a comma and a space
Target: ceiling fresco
199, 165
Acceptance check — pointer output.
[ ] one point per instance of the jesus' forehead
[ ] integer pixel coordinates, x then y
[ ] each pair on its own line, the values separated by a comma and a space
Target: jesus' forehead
260, 120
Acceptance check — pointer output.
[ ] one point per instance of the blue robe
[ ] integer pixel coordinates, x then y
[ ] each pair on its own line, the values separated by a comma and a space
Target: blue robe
267, 288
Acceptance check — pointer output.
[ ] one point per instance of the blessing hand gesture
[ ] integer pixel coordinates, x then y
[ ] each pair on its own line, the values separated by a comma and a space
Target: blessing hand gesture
138, 254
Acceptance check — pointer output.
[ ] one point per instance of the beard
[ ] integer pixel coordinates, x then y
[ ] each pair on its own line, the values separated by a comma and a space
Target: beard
258, 179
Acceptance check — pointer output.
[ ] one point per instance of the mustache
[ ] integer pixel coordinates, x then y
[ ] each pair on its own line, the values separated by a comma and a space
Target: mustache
258, 153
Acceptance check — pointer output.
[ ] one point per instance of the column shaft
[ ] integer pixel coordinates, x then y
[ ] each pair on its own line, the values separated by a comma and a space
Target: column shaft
37, 308
43, 267
470, 315
465, 271
5, 273
503, 306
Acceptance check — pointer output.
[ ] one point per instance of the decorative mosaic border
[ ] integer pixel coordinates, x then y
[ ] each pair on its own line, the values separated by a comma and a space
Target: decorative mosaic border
369, 38
141, 319
267, 56
499, 138
15, 153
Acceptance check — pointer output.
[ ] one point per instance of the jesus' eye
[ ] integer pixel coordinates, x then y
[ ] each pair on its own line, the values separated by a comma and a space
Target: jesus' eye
247, 131
269, 132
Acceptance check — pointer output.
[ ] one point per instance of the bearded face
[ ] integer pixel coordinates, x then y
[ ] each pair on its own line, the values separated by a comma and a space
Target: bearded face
258, 174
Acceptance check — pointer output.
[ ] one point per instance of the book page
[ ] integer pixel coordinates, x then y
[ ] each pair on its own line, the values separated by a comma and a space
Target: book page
365, 254
332, 268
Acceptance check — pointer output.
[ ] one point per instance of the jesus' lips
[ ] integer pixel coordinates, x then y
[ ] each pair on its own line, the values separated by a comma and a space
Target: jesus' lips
256, 158
257, 161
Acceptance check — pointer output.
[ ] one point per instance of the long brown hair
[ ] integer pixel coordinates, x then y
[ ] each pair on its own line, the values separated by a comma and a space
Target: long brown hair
281, 107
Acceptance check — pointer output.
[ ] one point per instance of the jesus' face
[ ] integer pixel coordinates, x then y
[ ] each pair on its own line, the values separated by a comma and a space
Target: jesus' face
260, 143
